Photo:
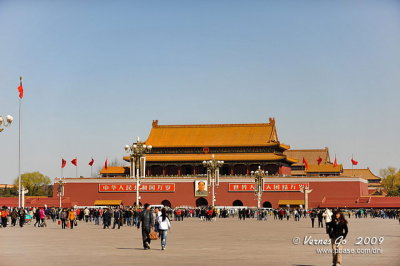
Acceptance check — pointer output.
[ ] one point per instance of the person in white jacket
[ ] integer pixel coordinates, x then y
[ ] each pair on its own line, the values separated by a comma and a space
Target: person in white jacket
163, 226
328, 218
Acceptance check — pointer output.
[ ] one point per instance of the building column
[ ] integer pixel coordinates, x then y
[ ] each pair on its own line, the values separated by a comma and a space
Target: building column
247, 169
179, 170
194, 169
164, 170
231, 169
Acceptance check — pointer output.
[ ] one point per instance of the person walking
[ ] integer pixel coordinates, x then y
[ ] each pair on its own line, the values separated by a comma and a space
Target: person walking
71, 218
42, 216
312, 216
328, 218
86, 213
296, 215
64, 218
106, 219
338, 231
21, 214
146, 220
163, 226
14, 217
117, 218
320, 218
4, 215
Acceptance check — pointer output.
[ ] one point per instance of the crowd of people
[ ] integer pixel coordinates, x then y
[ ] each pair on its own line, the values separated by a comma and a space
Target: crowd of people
115, 217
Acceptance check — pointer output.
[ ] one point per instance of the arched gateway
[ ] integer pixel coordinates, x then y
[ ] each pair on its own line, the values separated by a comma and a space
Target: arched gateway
166, 203
201, 202
267, 204
237, 203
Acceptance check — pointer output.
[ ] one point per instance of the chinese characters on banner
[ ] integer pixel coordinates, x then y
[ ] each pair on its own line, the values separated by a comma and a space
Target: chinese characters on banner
271, 187
241, 187
285, 186
132, 187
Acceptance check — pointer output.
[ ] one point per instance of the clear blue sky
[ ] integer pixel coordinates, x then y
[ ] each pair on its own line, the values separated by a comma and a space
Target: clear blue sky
96, 73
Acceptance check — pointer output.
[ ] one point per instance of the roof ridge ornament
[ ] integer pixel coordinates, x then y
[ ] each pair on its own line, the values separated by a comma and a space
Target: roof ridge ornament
155, 123
272, 121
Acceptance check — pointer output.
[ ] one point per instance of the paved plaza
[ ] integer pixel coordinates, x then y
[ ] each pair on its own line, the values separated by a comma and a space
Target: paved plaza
192, 242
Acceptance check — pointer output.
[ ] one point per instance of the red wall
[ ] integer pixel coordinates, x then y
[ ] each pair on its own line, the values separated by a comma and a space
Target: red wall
86, 193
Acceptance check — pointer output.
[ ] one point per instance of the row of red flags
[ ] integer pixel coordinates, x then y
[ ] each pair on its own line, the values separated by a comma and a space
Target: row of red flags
319, 160
75, 162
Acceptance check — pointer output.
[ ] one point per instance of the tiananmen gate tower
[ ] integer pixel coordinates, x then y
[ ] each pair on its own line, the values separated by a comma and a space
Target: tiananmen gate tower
175, 164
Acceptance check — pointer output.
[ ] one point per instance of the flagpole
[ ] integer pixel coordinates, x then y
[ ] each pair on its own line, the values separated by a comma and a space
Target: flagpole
19, 156
19, 149
76, 167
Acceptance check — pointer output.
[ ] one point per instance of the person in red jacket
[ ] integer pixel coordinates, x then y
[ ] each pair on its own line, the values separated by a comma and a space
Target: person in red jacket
4, 215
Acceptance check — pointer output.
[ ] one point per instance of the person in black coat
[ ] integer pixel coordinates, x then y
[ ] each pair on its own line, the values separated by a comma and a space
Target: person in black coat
21, 214
337, 231
117, 218
313, 214
320, 218
146, 219
106, 219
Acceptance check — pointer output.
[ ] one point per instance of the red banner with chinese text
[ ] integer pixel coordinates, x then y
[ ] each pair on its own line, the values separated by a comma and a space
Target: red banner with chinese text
269, 187
170, 187
285, 186
241, 187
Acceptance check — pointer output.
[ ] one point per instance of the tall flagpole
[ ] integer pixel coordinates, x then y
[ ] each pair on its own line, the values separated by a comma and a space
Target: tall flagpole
19, 149
76, 167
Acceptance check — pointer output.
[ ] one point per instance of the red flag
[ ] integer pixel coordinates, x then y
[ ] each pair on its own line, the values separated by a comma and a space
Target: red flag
75, 162
91, 162
353, 162
20, 89
106, 164
335, 162
319, 160
63, 163
305, 163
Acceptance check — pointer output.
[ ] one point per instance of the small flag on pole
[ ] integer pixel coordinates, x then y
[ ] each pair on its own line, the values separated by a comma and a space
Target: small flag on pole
305, 163
75, 162
335, 162
21, 88
319, 160
106, 164
63, 163
354, 162
91, 162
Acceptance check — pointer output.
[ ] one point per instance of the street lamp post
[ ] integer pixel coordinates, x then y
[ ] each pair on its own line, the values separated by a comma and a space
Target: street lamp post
213, 175
60, 190
137, 155
258, 189
306, 191
8, 122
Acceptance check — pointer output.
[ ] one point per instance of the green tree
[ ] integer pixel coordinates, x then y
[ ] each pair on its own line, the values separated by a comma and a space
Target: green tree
391, 181
36, 183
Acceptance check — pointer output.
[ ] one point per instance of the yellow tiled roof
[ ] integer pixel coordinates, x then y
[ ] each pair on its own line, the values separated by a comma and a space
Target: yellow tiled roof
324, 168
311, 155
291, 202
115, 170
363, 173
107, 202
218, 135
